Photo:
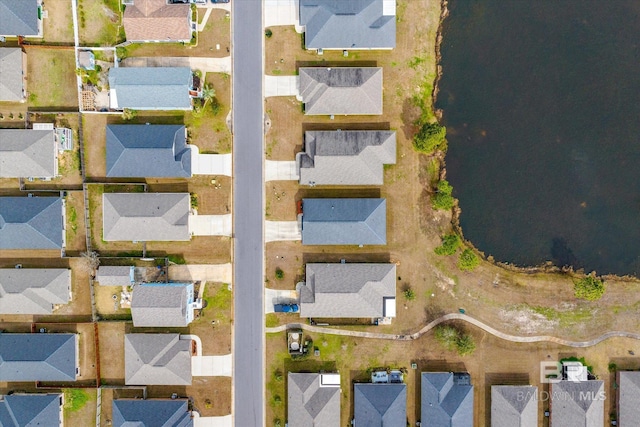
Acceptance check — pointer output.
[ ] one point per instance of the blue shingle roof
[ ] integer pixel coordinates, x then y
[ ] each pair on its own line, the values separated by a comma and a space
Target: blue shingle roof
380, 405
353, 24
18, 18
31, 223
446, 402
38, 357
148, 151
150, 88
151, 413
20, 410
344, 222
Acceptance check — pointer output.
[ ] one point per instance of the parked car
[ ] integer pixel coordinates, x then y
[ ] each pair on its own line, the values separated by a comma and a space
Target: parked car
286, 308
178, 1
220, 1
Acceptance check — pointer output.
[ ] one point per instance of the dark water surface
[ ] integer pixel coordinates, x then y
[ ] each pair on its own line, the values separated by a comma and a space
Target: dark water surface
541, 101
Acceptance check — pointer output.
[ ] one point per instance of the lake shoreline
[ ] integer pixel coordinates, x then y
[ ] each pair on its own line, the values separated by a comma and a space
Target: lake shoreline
545, 267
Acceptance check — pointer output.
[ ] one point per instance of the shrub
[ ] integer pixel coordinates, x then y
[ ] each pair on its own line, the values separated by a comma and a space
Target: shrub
468, 260
453, 339
268, 33
193, 197
449, 246
590, 288
128, 114
279, 273
443, 200
75, 399
409, 294
429, 138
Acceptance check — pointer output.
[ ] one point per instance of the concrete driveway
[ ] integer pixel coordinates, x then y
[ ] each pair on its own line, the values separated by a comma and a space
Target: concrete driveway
206, 65
224, 421
281, 86
275, 231
278, 296
210, 164
280, 171
281, 12
203, 272
210, 225
211, 366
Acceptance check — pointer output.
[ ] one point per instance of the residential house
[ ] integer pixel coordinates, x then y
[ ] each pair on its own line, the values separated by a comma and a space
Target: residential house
354, 24
157, 21
628, 397
115, 275
28, 153
313, 400
514, 405
157, 359
151, 413
577, 403
380, 405
33, 290
13, 74
146, 216
31, 223
158, 151
341, 90
20, 18
446, 399
26, 410
163, 304
150, 88
348, 291
346, 157
344, 222
39, 357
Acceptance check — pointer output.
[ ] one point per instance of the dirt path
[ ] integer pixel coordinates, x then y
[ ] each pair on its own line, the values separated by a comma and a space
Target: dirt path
456, 316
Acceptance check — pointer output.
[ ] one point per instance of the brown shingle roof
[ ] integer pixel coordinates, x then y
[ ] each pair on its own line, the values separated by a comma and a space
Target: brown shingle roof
157, 20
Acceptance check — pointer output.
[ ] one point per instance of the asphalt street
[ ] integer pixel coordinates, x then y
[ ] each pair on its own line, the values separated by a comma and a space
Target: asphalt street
248, 211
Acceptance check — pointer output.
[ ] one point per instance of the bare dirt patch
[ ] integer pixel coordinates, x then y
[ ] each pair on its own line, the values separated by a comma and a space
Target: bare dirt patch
58, 25
111, 335
51, 77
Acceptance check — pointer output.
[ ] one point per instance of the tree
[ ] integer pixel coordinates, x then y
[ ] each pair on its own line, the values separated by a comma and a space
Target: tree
449, 246
279, 273
443, 199
430, 137
128, 114
590, 288
447, 336
465, 344
90, 261
468, 260
208, 94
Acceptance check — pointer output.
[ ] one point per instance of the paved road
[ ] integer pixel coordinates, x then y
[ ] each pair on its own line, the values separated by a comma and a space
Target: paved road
248, 211
457, 316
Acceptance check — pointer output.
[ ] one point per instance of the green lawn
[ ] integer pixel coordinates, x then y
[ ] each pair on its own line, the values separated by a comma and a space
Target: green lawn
51, 78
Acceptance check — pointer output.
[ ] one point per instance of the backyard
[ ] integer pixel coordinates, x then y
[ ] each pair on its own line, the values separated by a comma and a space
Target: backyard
99, 22
51, 78
58, 25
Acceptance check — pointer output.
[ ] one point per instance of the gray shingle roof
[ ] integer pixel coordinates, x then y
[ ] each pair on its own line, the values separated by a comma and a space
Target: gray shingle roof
157, 359
309, 404
28, 153
31, 223
11, 75
444, 402
577, 404
347, 290
115, 275
38, 357
18, 18
151, 413
346, 157
354, 24
33, 290
146, 216
148, 151
158, 304
30, 410
150, 88
342, 90
344, 222
629, 397
513, 405
380, 405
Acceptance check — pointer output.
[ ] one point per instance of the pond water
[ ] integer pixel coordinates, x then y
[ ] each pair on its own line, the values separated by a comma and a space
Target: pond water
541, 101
